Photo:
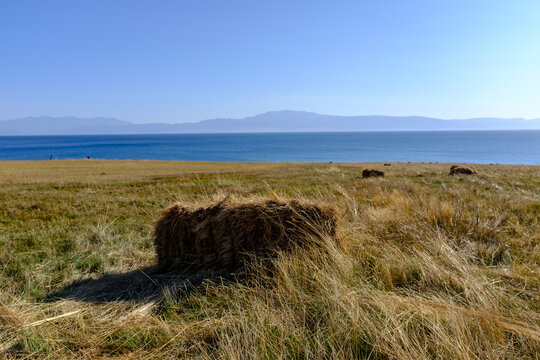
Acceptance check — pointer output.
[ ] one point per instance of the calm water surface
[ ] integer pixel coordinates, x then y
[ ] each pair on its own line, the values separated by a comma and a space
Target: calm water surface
504, 147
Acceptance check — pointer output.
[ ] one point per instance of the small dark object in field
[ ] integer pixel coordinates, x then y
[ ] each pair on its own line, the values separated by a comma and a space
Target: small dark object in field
387, 164
461, 170
225, 236
367, 173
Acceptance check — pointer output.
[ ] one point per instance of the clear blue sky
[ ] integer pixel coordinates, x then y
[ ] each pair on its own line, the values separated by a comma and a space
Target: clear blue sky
177, 61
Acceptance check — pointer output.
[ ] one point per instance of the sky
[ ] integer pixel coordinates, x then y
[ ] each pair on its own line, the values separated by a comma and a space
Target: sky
180, 61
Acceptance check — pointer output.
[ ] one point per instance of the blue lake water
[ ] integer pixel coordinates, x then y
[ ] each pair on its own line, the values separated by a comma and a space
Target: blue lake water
504, 147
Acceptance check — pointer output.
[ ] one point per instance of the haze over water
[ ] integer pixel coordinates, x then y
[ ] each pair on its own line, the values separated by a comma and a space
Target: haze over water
503, 147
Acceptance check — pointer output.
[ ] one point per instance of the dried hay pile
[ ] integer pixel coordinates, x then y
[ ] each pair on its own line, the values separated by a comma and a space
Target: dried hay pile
367, 173
461, 170
224, 236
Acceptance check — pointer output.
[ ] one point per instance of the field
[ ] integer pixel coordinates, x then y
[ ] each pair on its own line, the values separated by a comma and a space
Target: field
433, 266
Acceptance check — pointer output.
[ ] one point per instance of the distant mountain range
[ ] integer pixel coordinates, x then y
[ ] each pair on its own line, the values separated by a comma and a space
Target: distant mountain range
274, 121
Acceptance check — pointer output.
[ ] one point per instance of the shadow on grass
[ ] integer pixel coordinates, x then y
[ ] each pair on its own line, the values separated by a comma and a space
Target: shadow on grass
136, 286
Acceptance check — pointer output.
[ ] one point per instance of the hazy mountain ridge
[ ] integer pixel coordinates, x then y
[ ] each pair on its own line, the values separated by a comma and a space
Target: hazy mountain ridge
274, 121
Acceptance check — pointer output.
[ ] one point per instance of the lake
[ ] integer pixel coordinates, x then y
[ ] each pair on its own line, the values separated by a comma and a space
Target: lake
503, 147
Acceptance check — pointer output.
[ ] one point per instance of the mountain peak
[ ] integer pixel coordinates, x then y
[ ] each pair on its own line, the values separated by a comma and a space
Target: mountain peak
272, 121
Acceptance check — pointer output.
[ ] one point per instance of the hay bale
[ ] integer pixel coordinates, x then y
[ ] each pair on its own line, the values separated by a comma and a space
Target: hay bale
367, 173
461, 170
223, 236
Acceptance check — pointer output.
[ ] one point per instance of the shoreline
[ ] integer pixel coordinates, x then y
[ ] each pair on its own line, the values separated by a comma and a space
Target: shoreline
206, 162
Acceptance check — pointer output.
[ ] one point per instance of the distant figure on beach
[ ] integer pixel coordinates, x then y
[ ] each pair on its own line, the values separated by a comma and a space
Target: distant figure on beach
51, 157
88, 157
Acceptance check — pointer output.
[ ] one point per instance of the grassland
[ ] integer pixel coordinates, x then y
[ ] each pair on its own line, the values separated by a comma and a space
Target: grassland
433, 266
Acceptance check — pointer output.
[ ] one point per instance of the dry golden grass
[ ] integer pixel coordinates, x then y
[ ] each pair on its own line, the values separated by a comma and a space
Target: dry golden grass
431, 265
